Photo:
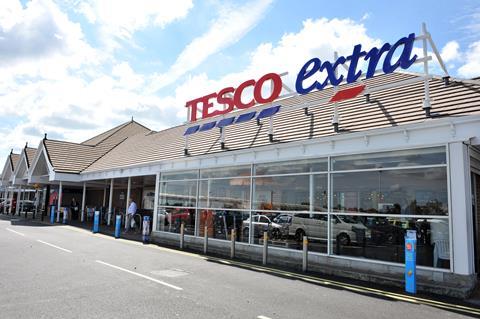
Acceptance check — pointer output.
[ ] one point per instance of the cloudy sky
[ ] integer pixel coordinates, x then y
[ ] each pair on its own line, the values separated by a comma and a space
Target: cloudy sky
74, 68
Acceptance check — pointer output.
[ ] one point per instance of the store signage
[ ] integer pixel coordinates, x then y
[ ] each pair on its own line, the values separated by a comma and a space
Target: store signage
232, 97
307, 78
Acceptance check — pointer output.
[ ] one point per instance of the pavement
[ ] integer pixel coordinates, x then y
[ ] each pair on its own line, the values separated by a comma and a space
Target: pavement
67, 272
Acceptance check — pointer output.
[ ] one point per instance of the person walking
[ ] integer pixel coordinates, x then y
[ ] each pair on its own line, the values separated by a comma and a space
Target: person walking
131, 211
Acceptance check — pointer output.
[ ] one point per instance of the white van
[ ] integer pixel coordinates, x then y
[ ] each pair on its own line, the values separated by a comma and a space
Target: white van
344, 228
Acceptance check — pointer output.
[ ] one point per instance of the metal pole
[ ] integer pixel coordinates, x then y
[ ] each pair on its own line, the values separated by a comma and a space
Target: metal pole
155, 203
110, 201
205, 240
232, 248
182, 233
60, 191
129, 186
84, 193
11, 202
5, 202
17, 208
265, 247
305, 254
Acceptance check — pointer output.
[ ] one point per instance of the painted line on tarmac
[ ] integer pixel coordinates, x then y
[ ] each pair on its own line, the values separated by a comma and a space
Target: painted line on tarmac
15, 232
263, 317
54, 246
140, 275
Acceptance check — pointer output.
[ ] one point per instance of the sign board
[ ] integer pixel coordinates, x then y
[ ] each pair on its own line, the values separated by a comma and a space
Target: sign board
411, 261
314, 75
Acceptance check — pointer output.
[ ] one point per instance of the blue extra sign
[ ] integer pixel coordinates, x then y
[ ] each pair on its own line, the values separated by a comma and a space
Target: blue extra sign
390, 64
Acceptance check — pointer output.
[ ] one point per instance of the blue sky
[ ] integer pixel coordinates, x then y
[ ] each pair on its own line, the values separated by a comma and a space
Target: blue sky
73, 69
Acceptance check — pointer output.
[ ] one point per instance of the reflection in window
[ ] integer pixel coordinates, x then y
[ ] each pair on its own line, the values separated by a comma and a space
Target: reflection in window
282, 193
233, 193
413, 157
237, 171
180, 193
170, 220
382, 238
292, 167
179, 175
219, 224
409, 192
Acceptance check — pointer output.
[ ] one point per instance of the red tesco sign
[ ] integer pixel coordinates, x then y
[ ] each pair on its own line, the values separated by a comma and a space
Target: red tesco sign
204, 102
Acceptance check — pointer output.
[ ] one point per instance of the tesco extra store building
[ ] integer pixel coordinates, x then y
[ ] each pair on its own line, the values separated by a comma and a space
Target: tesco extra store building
352, 160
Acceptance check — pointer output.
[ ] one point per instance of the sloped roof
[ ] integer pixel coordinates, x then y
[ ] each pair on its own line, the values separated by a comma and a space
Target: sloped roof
387, 108
14, 158
68, 157
30, 154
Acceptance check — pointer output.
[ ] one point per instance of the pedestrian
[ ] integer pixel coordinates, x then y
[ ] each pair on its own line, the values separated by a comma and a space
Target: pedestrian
74, 208
131, 211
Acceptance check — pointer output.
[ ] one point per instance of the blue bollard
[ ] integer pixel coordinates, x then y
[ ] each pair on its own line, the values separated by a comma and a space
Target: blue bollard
146, 229
411, 262
96, 222
52, 214
118, 225
65, 215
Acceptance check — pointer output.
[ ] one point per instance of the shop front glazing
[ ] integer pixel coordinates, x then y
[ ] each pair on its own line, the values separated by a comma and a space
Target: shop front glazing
357, 206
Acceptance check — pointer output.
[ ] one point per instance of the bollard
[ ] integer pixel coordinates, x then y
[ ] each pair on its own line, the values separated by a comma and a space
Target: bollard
265, 247
232, 248
205, 240
65, 215
146, 230
182, 234
411, 262
52, 214
96, 222
305, 254
118, 225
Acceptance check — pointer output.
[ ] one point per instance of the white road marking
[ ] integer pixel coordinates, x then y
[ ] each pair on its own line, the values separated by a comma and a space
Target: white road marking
139, 275
14, 231
54, 246
263, 317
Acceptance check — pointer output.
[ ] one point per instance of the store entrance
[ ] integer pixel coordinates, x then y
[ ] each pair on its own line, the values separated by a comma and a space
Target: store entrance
476, 217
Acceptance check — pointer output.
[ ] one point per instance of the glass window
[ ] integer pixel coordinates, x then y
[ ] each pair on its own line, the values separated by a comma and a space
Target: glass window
225, 193
292, 167
170, 220
408, 192
219, 224
414, 157
179, 175
382, 238
287, 193
235, 171
179, 193
320, 186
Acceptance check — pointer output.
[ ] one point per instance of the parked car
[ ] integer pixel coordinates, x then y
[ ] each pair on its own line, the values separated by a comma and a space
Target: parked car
385, 232
344, 228
27, 205
261, 224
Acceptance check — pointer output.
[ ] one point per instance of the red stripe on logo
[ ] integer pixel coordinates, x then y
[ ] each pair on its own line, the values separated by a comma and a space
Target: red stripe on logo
347, 94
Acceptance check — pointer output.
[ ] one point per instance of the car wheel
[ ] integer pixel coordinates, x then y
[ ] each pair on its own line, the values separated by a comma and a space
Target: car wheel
299, 234
343, 239
276, 233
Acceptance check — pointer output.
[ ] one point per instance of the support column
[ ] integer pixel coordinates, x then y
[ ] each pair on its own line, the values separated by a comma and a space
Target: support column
104, 196
82, 218
155, 203
127, 201
110, 202
11, 201
17, 208
461, 209
6, 200
60, 193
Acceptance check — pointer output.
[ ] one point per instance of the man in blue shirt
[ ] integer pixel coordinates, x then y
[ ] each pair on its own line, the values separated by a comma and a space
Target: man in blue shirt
131, 211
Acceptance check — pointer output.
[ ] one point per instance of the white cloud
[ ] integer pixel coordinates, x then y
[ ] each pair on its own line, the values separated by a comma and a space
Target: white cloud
231, 25
119, 20
317, 38
450, 52
471, 68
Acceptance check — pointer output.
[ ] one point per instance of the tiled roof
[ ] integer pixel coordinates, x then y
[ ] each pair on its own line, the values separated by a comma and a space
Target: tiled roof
30, 154
14, 158
67, 157
387, 108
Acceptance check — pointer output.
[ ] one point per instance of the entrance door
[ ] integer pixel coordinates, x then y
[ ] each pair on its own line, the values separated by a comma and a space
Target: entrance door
476, 217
